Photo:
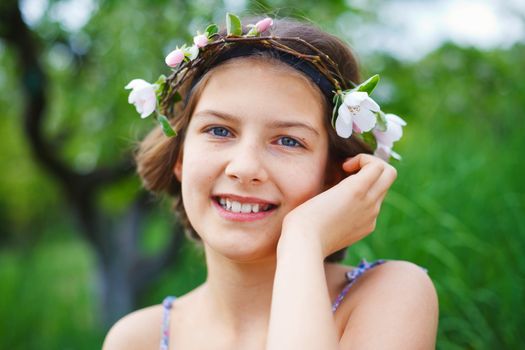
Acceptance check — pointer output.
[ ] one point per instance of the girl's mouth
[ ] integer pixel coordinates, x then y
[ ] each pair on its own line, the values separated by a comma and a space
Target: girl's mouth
234, 206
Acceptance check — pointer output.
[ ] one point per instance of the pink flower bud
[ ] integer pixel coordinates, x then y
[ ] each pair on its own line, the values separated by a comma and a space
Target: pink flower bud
200, 40
174, 58
264, 24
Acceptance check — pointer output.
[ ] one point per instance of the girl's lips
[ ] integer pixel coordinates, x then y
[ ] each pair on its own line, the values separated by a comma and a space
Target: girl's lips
241, 217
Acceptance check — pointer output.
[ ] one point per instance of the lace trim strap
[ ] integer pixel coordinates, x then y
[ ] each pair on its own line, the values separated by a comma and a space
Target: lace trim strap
165, 335
352, 276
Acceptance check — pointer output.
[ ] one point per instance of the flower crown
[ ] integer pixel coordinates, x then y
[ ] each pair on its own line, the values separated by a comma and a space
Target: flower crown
354, 110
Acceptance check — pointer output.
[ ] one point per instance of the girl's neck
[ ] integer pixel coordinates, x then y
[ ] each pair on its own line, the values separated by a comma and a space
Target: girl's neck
239, 293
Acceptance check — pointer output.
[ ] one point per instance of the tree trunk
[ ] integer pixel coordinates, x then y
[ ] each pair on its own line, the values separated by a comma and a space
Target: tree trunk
122, 271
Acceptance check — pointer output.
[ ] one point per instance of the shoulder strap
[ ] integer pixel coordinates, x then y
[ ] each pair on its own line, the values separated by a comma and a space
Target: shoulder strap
165, 335
351, 277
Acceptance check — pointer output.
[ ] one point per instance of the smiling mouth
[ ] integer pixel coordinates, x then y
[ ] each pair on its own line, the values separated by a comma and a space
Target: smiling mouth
245, 208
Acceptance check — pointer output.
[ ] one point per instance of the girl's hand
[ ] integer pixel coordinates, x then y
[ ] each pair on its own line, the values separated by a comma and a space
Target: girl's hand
347, 212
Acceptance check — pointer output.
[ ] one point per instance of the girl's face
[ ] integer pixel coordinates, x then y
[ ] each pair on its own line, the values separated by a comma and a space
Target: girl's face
255, 148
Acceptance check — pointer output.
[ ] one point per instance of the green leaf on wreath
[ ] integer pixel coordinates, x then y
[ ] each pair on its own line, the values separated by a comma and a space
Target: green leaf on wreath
381, 121
233, 25
335, 111
166, 127
212, 29
369, 85
161, 81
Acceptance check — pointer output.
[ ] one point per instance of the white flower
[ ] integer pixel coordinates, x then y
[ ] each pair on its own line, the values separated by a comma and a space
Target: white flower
393, 132
385, 152
142, 96
385, 139
357, 112
193, 52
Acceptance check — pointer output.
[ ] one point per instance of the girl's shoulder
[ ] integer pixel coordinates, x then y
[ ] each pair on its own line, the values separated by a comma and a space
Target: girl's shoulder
393, 295
380, 273
137, 330
385, 279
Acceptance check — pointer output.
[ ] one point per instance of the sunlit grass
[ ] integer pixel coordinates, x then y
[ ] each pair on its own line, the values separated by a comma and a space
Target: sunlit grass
48, 298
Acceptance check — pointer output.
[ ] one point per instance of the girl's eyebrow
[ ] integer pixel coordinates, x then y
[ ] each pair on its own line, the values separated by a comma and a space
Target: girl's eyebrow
212, 113
273, 125
286, 124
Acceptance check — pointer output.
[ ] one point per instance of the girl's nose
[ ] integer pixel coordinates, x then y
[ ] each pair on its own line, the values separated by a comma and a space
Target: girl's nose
246, 166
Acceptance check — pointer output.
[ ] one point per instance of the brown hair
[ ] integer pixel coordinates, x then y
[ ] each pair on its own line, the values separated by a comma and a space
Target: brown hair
156, 155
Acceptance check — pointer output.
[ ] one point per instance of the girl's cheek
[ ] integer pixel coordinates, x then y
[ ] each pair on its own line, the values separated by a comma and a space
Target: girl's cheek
306, 181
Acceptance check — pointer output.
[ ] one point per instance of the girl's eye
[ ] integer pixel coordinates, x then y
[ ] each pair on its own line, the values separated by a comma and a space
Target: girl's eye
219, 131
289, 142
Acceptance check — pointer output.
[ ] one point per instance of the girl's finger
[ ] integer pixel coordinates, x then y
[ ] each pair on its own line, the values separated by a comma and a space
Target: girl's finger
366, 170
382, 196
365, 178
356, 163
383, 183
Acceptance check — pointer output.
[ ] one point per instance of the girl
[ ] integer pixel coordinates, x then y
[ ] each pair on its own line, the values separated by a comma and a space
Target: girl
271, 169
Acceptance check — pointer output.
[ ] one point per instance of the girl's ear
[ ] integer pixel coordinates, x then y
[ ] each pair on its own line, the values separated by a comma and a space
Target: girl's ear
177, 169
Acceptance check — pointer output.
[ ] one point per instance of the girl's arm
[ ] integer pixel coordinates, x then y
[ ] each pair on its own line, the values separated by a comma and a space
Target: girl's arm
301, 316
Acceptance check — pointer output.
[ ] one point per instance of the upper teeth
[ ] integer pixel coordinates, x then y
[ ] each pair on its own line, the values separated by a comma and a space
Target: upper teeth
238, 207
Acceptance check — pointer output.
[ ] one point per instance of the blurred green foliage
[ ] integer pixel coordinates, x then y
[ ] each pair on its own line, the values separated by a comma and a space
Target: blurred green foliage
456, 209
458, 205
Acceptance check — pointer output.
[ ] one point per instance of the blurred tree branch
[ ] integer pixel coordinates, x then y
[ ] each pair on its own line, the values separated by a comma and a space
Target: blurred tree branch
123, 271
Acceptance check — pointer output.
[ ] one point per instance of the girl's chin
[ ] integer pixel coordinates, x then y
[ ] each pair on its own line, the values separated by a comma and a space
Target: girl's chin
240, 249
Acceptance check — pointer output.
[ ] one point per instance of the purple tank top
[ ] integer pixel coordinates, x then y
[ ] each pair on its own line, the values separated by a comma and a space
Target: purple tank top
351, 277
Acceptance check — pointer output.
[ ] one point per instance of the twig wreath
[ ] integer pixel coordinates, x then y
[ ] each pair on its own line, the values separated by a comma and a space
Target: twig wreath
354, 111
